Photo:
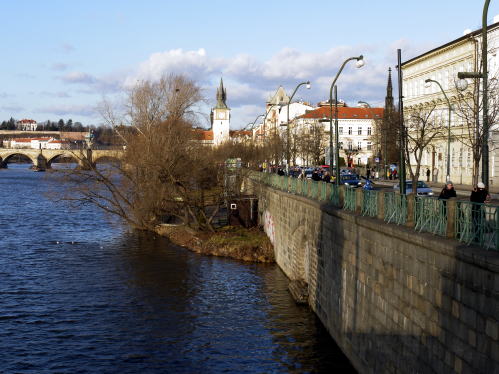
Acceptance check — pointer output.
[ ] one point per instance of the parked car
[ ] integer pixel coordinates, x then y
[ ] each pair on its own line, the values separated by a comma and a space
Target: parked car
351, 180
422, 188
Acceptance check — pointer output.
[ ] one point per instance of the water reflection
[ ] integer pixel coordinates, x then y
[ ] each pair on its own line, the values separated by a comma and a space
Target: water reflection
81, 294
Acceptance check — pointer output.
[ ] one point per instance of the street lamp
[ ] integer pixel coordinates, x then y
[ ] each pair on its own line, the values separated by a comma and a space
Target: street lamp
359, 64
484, 75
288, 156
252, 124
428, 83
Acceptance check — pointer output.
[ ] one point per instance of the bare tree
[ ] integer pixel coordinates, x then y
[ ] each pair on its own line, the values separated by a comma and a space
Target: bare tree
422, 127
165, 171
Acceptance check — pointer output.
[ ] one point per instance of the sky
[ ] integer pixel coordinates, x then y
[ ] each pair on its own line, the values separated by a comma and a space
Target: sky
61, 59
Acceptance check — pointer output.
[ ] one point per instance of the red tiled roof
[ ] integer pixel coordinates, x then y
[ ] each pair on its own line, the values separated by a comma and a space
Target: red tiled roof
28, 140
345, 113
203, 134
27, 121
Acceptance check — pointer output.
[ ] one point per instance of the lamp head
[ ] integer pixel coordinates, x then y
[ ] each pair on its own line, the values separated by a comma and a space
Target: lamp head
427, 83
462, 84
308, 85
360, 62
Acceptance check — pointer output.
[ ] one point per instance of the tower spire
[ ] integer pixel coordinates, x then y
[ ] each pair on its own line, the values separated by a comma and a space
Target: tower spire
221, 96
389, 92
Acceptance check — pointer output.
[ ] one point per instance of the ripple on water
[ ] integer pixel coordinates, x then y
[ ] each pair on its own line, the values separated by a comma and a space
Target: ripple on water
80, 295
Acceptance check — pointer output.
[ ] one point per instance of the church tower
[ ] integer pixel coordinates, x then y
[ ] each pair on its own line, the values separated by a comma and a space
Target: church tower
220, 117
389, 93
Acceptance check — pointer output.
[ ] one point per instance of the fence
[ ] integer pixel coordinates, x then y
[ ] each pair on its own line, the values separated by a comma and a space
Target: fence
470, 223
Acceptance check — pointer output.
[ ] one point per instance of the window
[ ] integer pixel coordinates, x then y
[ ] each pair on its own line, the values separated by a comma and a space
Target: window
349, 131
359, 145
359, 131
369, 146
359, 161
350, 145
341, 145
340, 130
369, 131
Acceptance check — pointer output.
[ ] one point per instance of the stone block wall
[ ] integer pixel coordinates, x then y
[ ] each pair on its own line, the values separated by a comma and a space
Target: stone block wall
395, 300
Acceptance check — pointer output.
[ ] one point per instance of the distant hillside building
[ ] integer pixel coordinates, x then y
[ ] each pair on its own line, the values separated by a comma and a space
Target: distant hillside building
27, 125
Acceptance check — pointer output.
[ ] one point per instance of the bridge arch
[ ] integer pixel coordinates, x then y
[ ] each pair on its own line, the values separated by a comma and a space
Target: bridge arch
5, 157
64, 154
106, 158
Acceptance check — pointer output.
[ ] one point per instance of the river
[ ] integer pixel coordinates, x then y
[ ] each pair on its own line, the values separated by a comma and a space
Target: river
81, 294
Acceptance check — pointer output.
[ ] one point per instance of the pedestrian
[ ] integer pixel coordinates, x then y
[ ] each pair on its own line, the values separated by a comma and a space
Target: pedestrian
448, 191
478, 196
315, 175
428, 174
368, 173
376, 175
394, 174
326, 178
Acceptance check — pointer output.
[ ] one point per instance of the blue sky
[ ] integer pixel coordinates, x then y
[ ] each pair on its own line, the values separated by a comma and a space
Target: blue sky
60, 58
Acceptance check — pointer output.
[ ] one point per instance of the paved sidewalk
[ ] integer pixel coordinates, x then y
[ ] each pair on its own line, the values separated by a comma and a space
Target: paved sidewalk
462, 190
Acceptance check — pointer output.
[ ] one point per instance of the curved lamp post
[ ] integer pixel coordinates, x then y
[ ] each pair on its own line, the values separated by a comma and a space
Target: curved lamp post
484, 75
252, 124
428, 83
288, 156
359, 64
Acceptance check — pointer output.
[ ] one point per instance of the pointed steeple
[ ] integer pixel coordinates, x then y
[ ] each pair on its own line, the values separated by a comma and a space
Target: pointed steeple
221, 96
389, 92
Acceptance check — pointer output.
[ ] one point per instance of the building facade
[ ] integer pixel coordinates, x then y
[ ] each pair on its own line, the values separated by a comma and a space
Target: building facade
356, 129
442, 65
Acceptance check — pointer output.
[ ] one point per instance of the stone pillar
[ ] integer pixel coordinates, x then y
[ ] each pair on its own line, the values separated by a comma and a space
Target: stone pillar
359, 200
451, 208
341, 195
381, 205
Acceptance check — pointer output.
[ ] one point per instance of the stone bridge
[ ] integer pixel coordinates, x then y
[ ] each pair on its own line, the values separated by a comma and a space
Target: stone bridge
43, 158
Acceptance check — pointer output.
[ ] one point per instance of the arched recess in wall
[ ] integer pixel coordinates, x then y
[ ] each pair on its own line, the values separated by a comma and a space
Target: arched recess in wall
300, 254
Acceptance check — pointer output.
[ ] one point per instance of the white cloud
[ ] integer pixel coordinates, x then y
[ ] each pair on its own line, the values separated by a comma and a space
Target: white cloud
250, 81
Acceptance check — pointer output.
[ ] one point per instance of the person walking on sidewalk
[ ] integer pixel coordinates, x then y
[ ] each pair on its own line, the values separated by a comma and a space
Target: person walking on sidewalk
479, 196
428, 174
448, 191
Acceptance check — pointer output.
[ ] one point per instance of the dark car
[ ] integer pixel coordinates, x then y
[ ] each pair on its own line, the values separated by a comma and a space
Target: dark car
351, 180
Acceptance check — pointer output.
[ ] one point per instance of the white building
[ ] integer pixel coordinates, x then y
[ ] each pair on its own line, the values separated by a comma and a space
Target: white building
27, 125
356, 127
442, 64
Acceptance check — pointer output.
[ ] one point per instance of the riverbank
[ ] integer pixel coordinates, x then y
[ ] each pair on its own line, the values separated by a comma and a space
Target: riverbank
239, 243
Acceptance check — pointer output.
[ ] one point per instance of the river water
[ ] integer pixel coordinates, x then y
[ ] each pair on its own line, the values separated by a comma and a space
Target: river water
80, 294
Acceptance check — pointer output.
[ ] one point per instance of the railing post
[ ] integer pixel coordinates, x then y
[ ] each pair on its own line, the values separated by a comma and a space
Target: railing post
359, 200
341, 195
451, 217
410, 210
381, 205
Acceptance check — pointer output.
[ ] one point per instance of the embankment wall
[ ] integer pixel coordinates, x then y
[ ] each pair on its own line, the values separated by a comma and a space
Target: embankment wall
395, 300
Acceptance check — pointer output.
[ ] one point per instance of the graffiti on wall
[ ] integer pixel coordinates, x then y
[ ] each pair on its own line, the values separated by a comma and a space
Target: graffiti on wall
268, 226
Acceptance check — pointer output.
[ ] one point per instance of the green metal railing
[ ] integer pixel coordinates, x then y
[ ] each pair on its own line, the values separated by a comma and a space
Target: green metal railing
369, 203
334, 197
350, 199
323, 191
430, 215
477, 224
293, 186
314, 189
395, 206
